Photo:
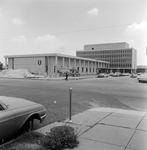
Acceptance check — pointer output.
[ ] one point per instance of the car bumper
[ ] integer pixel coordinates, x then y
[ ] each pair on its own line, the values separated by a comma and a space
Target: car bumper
142, 79
42, 118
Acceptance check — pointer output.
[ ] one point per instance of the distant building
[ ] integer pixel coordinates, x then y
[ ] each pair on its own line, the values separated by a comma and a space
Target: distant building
141, 69
121, 57
50, 63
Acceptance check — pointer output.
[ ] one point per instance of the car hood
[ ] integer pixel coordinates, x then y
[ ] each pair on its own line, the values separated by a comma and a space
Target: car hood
14, 103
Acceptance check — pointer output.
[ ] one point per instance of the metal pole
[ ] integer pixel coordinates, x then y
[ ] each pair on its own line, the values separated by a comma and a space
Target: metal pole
70, 104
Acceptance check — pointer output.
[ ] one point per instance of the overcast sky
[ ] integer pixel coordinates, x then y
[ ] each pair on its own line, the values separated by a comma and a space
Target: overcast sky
64, 26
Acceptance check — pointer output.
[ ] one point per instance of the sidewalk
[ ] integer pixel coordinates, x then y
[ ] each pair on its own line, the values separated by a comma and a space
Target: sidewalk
108, 129
63, 78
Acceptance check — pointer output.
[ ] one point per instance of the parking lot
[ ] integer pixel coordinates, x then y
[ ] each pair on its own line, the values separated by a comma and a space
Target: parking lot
114, 92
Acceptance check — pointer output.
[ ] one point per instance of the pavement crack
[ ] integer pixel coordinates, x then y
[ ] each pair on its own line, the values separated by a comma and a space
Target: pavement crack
90, 127
115, 126
102, 142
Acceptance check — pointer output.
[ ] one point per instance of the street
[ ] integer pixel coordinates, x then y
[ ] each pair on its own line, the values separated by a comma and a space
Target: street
114, 92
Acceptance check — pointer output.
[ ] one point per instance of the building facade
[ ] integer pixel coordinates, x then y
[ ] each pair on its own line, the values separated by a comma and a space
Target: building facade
50, 63
121, 57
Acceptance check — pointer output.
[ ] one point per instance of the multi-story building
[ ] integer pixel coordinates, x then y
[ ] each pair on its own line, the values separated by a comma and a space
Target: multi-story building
122, 58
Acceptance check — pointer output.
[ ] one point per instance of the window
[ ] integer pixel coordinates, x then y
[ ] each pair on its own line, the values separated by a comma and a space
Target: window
92, 48
1, 108
82, 69
86, 69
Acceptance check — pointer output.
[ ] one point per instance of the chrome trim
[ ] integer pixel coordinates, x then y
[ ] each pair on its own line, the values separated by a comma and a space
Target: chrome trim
42, 118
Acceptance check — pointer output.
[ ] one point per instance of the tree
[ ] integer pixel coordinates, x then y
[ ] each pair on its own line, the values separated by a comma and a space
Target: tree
1, 66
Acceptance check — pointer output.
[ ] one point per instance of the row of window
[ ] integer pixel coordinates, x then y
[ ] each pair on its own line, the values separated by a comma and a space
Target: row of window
106, 56
90, 70
120, 65
119, 60
106, 52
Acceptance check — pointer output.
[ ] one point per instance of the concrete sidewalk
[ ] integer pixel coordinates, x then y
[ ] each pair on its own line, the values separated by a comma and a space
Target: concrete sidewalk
108, 129
63, 78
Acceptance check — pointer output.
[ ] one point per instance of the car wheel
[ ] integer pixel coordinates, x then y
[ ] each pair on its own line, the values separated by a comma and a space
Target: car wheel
30, 124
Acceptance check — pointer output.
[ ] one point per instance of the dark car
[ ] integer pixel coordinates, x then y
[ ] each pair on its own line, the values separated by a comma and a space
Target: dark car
16, 113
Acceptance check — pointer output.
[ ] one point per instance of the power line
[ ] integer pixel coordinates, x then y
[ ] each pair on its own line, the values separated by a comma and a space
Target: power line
84, 30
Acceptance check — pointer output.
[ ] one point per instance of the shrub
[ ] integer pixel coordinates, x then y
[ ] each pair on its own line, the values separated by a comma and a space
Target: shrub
60, 137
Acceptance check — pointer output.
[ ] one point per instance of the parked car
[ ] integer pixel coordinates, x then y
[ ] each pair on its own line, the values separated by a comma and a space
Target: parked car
116, 74
140, 73
142, 78
102, 75
133, 75
17, 114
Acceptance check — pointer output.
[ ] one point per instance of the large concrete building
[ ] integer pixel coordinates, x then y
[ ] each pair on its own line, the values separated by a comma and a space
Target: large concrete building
50, 63
122, 58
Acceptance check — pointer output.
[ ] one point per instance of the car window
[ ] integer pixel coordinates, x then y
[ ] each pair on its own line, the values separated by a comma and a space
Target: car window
1, 108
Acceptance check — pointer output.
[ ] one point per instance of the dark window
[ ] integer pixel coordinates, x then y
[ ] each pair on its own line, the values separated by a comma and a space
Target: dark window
82, 69
47, 69
54, 69
92, 48
86, 69
1, 108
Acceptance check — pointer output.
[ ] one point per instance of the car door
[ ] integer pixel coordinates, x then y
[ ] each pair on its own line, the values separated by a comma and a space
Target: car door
6, 123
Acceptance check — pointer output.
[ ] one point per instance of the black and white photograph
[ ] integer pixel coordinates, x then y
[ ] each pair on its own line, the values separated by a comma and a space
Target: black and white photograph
73, 74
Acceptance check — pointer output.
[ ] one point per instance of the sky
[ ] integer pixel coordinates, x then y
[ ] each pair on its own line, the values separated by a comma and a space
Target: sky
65, 26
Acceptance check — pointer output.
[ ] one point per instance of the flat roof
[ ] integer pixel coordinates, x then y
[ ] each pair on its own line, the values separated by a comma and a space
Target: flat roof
108, 43
53, 54
105, 50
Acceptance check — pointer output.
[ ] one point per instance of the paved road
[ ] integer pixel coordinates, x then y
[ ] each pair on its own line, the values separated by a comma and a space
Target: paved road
114, 92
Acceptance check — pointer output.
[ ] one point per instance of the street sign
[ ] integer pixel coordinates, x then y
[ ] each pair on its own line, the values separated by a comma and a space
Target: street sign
39, 62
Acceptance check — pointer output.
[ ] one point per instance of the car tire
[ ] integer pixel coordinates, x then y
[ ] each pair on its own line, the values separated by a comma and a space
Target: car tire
30, 124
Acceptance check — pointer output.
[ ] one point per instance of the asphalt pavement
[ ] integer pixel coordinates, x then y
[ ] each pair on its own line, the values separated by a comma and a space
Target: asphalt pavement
107, 129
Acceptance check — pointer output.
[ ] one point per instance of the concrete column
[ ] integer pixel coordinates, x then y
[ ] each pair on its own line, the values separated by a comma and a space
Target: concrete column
95, 68
6, 63
88, 66
80, 66
69, 62
98, 64
92, 67
63, 61
75, 63
84, 67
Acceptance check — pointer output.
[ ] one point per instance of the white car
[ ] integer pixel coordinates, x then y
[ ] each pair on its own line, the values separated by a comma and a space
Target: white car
102, 75
142, 78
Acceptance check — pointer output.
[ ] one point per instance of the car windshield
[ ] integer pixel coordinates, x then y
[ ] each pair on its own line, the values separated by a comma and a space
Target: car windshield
3, 106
